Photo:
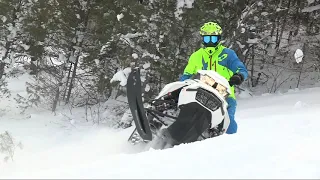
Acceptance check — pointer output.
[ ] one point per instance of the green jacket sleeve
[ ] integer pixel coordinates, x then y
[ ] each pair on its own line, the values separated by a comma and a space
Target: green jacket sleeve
191, 67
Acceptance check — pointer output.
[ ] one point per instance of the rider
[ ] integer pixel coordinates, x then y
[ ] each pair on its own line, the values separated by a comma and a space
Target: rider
214, 56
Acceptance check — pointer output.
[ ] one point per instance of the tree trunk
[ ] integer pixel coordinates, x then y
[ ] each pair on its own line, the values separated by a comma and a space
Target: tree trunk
79, 44
56, 99
252, 66
283, 25
297, 17
299, 78
74, 71
2, 66
68, 78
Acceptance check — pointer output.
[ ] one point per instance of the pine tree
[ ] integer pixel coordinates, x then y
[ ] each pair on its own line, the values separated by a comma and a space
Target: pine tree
12, 44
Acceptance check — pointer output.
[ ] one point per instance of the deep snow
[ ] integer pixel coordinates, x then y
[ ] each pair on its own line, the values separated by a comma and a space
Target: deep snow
278, 137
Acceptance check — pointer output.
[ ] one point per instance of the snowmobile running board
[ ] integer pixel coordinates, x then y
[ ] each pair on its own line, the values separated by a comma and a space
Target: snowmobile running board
136, 105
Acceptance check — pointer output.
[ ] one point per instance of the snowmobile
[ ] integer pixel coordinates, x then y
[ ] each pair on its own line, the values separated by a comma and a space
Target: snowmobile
183, 112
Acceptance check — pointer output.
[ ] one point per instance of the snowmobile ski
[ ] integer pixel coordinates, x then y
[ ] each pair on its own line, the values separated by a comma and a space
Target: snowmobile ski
136, 105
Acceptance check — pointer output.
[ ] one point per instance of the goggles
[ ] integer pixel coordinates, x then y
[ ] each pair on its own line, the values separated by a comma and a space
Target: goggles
211, 82
214, 39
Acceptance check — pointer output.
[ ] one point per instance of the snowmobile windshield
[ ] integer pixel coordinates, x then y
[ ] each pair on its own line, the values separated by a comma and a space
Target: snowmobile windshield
211, 82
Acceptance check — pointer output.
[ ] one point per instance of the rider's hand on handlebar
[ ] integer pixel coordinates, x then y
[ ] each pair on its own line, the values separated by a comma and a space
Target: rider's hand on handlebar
236, 79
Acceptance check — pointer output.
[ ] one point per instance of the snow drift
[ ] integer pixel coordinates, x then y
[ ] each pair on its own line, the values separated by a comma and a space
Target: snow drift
278, 137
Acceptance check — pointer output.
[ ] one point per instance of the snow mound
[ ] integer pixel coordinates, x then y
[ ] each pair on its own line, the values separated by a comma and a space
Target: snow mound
121, 76
298, 55
278, 137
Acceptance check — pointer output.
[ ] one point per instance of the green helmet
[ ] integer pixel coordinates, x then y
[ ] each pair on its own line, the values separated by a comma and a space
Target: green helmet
210, 28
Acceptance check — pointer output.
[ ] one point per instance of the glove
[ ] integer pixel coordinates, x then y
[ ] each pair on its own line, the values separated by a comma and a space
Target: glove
236, 79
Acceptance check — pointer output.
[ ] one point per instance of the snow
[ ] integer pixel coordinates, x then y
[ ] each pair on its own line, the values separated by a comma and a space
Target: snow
179, 11
56, 61
243, 30
121, 76
13, 31
135, 56
311, 8
300, 104
252, 41
298, 55
155, 57
310, 1
62, 58
278, 137
189, 3
240, 45
147, 89
127, 38
72, 59
146, 65
97, 61
182, 4
120, 16
4, 19
280, 9
25, 47
245, 52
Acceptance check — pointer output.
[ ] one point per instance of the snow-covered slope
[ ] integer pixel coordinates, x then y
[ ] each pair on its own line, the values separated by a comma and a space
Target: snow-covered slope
278, 137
